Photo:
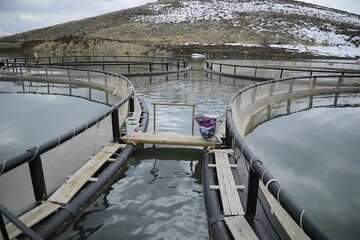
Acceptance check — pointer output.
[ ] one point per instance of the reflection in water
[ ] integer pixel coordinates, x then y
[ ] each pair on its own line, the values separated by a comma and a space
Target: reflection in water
211, 97
156, 199
314, 154
27, 120
160, 196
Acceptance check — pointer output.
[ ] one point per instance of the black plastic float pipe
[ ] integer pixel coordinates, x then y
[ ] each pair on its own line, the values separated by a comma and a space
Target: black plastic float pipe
144, 121
311, 228
28, 155
25, 229
215, 217
71, 211
4, 232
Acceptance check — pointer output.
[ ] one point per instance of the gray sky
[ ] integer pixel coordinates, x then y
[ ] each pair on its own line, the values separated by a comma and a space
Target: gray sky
23, 15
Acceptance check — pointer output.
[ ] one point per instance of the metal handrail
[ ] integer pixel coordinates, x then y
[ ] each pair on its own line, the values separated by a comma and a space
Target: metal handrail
33, 156
178, 105
209, 66
12, 218
259, 172
300, 61
32, 153
93, 61
75, 58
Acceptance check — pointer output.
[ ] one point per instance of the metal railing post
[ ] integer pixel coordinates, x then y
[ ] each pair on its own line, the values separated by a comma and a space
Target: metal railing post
115, 124
193, 120
131, 104
228, 138
154, 131
19, 224
253, 188
37, 176
3, 228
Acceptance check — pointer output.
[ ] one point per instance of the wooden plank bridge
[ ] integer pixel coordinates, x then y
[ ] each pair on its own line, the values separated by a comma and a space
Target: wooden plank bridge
232, 207
170, 139
67, 191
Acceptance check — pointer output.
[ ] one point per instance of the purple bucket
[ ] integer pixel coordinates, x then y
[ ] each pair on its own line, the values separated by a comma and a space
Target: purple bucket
207, 126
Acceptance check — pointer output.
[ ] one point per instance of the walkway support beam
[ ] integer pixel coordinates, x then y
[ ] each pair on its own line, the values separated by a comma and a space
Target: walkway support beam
37, 176
115, 124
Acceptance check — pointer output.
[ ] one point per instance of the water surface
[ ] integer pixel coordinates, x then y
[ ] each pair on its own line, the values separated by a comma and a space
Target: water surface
154, 199
315, 155
160, 196
29, 119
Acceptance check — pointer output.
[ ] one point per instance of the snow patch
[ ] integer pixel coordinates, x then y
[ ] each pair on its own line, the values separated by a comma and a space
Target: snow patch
242, 45
334, 43
192, 11
341, 51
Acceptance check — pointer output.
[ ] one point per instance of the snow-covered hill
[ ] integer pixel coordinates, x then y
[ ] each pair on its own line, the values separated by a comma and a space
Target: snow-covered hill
314, 28
238, 27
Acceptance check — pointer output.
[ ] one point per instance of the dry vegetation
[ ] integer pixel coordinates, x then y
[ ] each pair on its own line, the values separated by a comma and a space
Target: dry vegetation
117, 32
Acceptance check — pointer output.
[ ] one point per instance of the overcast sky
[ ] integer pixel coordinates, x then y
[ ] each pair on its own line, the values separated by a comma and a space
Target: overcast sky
23, 15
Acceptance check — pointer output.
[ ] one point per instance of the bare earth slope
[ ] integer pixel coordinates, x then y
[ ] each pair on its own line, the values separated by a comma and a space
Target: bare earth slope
230, 27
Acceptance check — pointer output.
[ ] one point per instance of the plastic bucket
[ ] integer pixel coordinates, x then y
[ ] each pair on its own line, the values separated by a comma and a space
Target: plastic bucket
132, 127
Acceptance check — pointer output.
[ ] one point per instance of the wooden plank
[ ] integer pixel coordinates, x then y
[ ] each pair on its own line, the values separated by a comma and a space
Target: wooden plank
239, 228
289, 225
229, 194
217, 187
137, 107
214, 165
90, 179
227, 151
68, 190
122, 146
183, 140
33, 217
221, 129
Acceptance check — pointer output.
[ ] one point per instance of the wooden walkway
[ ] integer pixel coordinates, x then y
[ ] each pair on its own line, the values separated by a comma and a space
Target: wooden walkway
232, 207
181, 140
67, 191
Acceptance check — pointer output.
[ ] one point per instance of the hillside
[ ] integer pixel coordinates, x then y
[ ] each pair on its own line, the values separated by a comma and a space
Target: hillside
227, 27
